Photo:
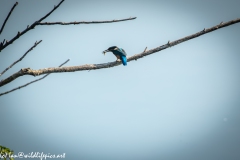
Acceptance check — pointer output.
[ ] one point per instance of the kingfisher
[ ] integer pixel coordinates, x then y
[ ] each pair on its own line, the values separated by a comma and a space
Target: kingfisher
119, 53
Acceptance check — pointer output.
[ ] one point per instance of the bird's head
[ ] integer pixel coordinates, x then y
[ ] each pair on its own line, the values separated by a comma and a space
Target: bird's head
110, 49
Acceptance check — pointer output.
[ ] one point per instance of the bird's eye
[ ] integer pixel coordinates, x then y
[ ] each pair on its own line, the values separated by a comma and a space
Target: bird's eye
115, 48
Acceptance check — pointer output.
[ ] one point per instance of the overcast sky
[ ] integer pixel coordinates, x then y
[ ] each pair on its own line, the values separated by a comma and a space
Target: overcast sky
178, 104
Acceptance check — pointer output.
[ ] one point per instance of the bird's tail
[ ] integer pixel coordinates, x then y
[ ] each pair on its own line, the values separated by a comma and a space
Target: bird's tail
124, 60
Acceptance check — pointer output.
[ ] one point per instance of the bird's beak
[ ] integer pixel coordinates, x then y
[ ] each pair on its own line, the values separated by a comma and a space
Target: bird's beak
104, 52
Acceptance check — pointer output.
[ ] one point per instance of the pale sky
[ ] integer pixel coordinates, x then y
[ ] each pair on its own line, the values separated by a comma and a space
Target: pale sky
178, 104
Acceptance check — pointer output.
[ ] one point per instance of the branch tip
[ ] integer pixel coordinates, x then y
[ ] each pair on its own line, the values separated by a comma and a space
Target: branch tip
145, 50
9, 14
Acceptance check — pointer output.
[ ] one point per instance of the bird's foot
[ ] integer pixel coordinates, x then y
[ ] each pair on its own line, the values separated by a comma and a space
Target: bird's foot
118, 60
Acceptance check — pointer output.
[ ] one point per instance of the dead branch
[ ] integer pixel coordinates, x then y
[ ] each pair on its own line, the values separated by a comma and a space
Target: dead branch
85, 22
31, 81
32, 26
35, 45
28, 71
19, 34
9, 14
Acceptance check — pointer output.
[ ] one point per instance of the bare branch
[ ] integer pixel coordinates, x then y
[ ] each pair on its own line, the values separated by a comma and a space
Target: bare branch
85, 22
19, 34
28, 71
8, 17
35, 45
31, 81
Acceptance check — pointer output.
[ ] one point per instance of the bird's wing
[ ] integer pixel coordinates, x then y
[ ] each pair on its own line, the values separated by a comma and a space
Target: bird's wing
123, 52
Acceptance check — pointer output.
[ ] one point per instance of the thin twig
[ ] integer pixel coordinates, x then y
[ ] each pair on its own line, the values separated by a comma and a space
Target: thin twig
35, 45
64, 63
19, 34
28, 71
145, 50
8, 17
85, 22
31, 81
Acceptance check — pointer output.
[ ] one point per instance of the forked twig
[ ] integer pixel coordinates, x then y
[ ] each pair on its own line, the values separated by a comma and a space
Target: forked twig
19, 34
28, 28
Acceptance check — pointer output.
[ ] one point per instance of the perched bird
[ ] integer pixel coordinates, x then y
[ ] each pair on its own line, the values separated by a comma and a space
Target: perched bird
119, 53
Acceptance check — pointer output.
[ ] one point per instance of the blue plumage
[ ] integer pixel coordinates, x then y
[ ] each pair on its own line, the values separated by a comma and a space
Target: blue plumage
119, 53
124, 60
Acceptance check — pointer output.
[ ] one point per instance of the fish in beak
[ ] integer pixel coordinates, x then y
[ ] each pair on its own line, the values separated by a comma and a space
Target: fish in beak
104, 52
